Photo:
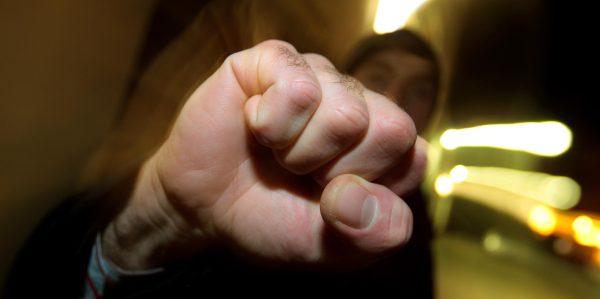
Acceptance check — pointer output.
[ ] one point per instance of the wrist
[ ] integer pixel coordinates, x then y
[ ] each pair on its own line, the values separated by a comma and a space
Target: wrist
149, 232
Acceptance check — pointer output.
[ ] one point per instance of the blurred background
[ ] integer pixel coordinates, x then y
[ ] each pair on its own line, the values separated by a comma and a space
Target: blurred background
88, 88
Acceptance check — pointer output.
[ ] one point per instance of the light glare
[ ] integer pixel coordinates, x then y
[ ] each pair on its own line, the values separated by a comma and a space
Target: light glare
585, 232
459, 174
542, 220
583, 225
556, 191
587, 239
549, 138
393, 14
492, 242
444, 185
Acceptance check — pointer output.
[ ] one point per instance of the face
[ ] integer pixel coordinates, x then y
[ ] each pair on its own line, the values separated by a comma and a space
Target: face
405, 78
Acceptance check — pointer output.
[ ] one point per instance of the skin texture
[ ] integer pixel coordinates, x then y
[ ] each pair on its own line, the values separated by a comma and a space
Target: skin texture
280, 159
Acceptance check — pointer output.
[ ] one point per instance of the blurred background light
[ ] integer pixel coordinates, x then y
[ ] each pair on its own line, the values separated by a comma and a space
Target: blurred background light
556, 191
500, 200
549, 138
587, 239
563, 246
444, 185
585, 232
542, 220
583, 225
492, 241
393, 14
459, 174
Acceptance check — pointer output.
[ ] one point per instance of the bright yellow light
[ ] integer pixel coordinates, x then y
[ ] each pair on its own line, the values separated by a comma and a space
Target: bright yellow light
549, 138
459, 174
587, 239
583, 225
393, 14
556, 191
443, 185
542, 220
450, 139
585, 232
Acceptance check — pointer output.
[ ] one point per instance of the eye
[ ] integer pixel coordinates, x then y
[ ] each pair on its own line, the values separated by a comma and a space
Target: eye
421, 91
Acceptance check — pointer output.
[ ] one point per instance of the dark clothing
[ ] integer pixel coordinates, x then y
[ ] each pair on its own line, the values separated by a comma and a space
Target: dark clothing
54, 261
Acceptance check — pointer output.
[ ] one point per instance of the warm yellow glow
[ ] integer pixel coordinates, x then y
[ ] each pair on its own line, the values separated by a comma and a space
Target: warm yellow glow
585, 231
597, 257
588, 238
556, 191
492, 241
443, 185
498, 199
549, 138
560, 191
459, 174
393, 14
583, 225
542, 220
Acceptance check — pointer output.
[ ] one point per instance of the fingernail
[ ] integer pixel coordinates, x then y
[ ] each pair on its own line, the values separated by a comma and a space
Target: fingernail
355, 207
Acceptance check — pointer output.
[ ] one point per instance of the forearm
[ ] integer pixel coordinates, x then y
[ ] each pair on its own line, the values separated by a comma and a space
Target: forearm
148, 232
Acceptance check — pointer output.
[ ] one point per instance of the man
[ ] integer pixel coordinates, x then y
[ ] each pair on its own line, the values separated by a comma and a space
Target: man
280, 174
403, 67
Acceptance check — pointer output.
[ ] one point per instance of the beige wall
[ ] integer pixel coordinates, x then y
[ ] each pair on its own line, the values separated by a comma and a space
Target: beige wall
63, 68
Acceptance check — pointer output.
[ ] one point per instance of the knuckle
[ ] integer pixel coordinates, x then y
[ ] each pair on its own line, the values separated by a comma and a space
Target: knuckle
347, 121
274, 44
395, 135
232, 57
305, 95
277, 51
317, 59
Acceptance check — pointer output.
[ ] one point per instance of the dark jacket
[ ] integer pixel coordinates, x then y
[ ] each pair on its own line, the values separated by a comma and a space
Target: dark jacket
53, 264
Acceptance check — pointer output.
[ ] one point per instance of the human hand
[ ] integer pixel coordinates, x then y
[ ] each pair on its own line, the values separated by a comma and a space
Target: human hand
280, 158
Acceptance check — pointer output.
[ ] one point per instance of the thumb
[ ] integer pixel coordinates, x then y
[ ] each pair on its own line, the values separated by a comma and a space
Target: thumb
367, 215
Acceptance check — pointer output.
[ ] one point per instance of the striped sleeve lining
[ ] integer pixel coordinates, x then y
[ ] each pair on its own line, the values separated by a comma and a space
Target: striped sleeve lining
102, 274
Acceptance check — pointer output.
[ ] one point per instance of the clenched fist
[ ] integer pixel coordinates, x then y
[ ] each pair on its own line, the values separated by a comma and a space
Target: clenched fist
281, 159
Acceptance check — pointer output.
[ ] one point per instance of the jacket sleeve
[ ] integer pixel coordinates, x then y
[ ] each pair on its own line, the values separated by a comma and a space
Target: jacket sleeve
53, 261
